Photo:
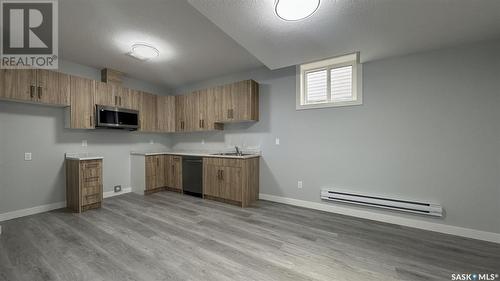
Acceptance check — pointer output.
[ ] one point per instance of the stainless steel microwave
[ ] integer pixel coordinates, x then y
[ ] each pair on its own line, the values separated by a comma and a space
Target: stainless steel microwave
116, 118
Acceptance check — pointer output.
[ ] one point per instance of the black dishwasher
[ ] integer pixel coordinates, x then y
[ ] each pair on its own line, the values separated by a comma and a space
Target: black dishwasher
192, 175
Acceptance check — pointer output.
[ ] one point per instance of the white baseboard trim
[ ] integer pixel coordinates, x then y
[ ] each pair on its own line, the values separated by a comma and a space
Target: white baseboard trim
50, 207
112, 193
32, 211
437, 227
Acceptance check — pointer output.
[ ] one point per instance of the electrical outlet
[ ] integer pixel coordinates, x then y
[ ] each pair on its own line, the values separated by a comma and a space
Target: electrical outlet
118, 188
27, 156
277, 141
299, 184
202, 141
84, 143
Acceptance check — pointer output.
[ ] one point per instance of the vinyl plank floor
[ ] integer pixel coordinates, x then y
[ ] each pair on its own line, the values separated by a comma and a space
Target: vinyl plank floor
168, 236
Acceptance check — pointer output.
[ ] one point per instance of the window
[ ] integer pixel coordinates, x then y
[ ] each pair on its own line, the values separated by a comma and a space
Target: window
329, 83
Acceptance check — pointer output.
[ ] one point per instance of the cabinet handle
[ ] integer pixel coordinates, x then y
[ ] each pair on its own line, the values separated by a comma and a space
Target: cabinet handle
91, 124
199, 123
157, 161
173, 169
32, 91
222, 174
116, 100
218, 174
39, 92
120, 100
203, 123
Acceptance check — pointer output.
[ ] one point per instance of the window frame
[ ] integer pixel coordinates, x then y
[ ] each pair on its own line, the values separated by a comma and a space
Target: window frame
328, 64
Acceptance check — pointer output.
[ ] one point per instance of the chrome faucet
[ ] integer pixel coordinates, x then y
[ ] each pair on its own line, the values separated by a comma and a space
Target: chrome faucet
238, 152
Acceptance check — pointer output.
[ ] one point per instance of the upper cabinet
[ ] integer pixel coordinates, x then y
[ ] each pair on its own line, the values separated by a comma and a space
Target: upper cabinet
148, 113
202, 110
114, 95
240, 102
80, 115
35, 85
208, 109
165, 111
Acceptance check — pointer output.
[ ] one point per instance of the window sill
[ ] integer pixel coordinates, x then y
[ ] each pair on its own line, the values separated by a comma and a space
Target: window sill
327, 105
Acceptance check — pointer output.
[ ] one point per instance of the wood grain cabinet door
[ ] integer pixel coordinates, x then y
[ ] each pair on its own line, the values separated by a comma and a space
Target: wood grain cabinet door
19, 84
231, 183
161, 171
208, 107
165, 113
52, 87
151, 172
212, 180
135, 99
124, 97
177, 172
180, 113
104, 94
82, 94
148, 113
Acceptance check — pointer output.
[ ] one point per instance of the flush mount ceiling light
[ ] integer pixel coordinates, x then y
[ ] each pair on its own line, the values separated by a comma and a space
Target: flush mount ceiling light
294, 10
144, 52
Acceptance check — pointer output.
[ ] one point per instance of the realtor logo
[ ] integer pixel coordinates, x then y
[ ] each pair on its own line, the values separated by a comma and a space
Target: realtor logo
29, 34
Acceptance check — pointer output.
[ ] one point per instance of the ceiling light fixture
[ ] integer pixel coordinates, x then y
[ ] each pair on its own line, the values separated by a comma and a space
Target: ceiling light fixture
294, 10
144, 52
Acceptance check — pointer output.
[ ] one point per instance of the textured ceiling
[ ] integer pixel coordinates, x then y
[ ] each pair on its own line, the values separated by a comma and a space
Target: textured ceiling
99, 33
376, 28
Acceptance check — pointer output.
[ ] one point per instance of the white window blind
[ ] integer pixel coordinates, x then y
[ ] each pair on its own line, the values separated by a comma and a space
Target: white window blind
341, 84
317, 87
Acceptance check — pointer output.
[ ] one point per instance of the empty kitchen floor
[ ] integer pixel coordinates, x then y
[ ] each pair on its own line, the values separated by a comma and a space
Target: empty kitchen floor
167, 236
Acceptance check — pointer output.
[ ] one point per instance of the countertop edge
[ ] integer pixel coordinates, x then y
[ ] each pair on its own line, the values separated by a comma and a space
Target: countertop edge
195, 154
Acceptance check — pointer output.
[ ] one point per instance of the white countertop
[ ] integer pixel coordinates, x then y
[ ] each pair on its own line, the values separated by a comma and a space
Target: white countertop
82, 156
195, 153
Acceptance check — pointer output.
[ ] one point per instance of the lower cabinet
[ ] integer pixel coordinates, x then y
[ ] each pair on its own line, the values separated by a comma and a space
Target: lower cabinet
234, 181
163, 172
83, 184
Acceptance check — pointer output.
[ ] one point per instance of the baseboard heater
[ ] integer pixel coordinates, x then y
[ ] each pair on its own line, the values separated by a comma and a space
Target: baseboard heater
423, 208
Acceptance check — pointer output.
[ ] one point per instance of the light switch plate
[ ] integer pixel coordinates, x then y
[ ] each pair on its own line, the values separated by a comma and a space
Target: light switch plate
84, 143
28, 156
277, 141
299, 184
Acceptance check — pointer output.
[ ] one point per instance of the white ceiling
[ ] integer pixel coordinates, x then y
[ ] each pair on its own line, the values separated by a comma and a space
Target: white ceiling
201, 39
99, 33
376, 28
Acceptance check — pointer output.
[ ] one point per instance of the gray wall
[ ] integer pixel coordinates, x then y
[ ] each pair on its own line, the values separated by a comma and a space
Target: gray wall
428, 130
40, 130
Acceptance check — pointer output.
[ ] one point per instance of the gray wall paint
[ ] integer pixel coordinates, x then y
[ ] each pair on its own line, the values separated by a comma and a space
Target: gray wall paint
40, 130
428, 130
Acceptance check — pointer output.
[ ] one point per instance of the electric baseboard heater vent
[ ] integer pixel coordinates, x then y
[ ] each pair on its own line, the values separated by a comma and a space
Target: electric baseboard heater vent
423, 208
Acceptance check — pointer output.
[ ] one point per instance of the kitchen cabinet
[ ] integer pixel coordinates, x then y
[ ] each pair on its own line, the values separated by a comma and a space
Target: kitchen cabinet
240, 102
83, 184
234, 181
148, 113
135, 98
205, 110
160, 172
165, 110
155, 173
80, 115
174, 172
113, 95
37, 86
181, 113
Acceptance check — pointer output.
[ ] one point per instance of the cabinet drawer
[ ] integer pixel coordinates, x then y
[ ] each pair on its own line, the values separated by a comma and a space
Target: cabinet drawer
91, 190
91, 199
